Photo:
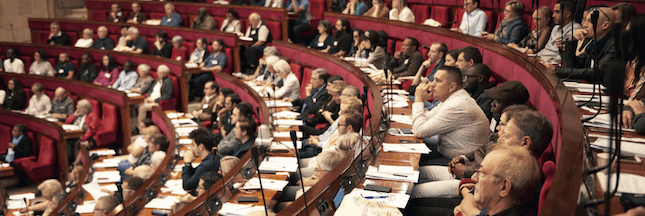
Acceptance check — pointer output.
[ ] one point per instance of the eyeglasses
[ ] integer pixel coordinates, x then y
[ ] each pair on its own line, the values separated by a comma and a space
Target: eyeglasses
465, 77
481, 173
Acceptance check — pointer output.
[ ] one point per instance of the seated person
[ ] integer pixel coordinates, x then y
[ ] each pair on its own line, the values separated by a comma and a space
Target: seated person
135, 43
401, 12
127, 77
476, 81
200, 53
227, 163
267, 73
88, 71
206, 181
49, 188
356, 41
439, 56
624, 12
179, 51
204, 20
62, 105
156, 159
144, 80
563, 17
162, 89
158, 142
65, 69
20, 145
291, 87
261, 35
143, 171
326, 113
350, 104
162, 48
109, 72
633, 116
262, 68
317, 95
347, 142
58, 37
87, 40
115, 15
215, 62
39, 104
274, 3
298, 26
205, 110
408, 60
507, 94
171, 18
87, 120
474, 20
41, 66
342, 39
369, 49
137, 16
327, 160
232, 22
105, 205
324, 39
245, 134
13, 63
130, 186
103, 42
225, 114
201, 147
536, 40
229, 142
139, 144
121, 42
378, 10
512, 29
468, 56
355, 7
15, 97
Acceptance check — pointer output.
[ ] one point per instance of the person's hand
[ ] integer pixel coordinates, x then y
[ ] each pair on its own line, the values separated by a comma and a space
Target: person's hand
187, 198
512, 45
314, 140
423, 93
287, 99
77, 112
397, 55
51, 35
129, 171
456, 160
638, 211
149, 100
637, 106
24, 210
11, 145
309, 88
458, 170
551, 67
579, 34
627, 117
85, 144
221, 112
426, 64
239, 34
327, 114
189, 156
261, 61
455, 29
112, 14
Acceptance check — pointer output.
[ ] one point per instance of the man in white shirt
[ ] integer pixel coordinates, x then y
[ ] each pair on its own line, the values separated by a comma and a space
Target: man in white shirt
13, 63
205, 110
474, 20
401, 12
562, 16
39, 104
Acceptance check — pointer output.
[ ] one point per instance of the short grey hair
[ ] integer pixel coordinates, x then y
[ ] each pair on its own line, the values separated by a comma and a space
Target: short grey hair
178, 39
281, 66
271, 51
163, 68
271, 60
54, 24
144, 67
169, 5
85, 104
133, 29
102, 27
255, 16
328, 159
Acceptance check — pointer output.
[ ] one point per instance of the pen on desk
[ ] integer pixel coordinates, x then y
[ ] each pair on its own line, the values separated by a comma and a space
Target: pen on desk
399, 175
376, 197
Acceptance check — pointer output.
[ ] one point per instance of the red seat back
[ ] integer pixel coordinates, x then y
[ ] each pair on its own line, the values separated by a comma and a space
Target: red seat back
157, 15
96, 106
151, 43
275, 28
306, 79
47, 154
110, 117
5, 138
421, 13
297, 70
34, 143
548, 168
229, 61
42, 37
441, 14
98, 15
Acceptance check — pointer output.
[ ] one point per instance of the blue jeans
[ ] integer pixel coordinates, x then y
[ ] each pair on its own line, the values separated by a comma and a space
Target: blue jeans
124, 165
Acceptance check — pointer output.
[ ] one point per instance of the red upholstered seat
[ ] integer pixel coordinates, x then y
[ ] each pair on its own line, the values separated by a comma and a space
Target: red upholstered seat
424, 51
73, 36
185, 21
229, 61
190, 46
275, 28
157, 15
96, 106
42, 37
27, 91
99, 15
317, 9
421, 13
151, 43
220, 20
548, 168
34, 150
297, 70
114, 38
27, 60
441, 14
306, 79
172, 103
5, 138
108, 132
46, 164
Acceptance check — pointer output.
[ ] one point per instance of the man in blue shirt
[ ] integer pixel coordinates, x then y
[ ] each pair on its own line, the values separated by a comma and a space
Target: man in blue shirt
65, 69
297, 27
127, 78
215, 62
201, 147
20, 143
136, 42
172, 18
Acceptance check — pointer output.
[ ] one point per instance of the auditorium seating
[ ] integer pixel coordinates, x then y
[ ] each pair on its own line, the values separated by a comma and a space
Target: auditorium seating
246, 94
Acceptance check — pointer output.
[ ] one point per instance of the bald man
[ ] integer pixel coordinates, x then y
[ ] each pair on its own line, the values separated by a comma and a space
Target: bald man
261, 35
581, 67
62, 105
105, 205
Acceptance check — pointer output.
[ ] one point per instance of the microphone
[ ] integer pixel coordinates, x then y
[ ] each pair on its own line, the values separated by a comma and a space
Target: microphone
594, 19
532, 5
616, 31
12, 34
302, 184
255, 154
537, 4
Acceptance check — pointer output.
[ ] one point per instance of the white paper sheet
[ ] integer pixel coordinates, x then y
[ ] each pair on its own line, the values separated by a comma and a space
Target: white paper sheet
287, 134
277, 103
286, 114
392, 199
94, 190
162, 203
631, 148
103, 152
269, 184
86, 208
390, 169
20, 197
288, 122
234, 209
289, 145
279, 167
406, 148
70, 127
628, 183
107, 176
405, 119
174, 115
372, 172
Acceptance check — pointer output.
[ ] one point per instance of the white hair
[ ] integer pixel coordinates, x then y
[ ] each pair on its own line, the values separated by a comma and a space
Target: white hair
271, 51
281, 66
177, 39
169, 5
144, 67
156, 159
102, 27
255, 16
133, 30
163, 68
271, 60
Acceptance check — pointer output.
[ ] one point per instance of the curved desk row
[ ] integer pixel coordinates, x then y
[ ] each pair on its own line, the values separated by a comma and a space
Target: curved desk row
40, 32
276, 19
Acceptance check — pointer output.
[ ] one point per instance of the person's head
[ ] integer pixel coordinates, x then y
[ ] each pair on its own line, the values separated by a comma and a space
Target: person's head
54, 27
342, 26
563, 12
133, 32
40, 55
144, 172
634, 34
162, 72
169, 9
37, 89
319, 77
123, 30
218, 45
84, 106
161, 36
508, 176
327, 160
143, 70
115, 7
105, 205
86, 58
349, 105
529, 129
206, 180
129, 65
211, 88
13, 53
18, 130
324, 27
346, 142
60, 93
471, 5
201, 43
350, 91
377, 3
49, 188
159, 143
282, 68
437, 52
606, 19
451, 58
356, 35
244, 129
131, 185
177, 42
409, 45
227, 163
353, 122
231, 101
542, 17
202, 12
14, 85
255, 19
373, 39
270, 51
242, 110
202, 142
102, 32
108, 63
398, 4
88, 33
624, 12
334, 78
468, 56
476, 76
146, 122
231, 14
63, 58
513, 9
136, 7
508, 93
446, 81
335, 89
177, 207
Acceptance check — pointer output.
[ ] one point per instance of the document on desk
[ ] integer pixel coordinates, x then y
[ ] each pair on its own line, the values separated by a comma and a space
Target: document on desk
286, 114
582, 85
94, 189
397, 104
628, 183
162, 203
270, 184
184, 131
71, 127
16, 204
103, 152
286, 134
184, 122
185, 141
133, 94
420, 148
392, 199
275, 159
396, 170
288, 122
281, 145
86, 208
373, 173
394, 91
626, 147
191, 65
405, 119
174, 115
107, 176
107, 163
234, 209
278, 166
596, 99
278, 103
20, 197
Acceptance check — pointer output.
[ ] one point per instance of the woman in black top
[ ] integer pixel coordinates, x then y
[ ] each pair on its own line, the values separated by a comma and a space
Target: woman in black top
88, 70
15, 98
356, 35
162, 47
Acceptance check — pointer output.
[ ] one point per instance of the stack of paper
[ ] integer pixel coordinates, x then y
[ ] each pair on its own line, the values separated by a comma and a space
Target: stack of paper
183, 123
173, 186
185, 141
596, 98
628, 183
284, 145
278, 103
16, 204
401, 119
191, 65
20, 197
286, 114
174, 115
107, 163
94, 189
70, 127
392, 199
86, 208
394, 91
373, 173
287, 134
103, 152
278, 166
397, 104
406, 148
234, 209
162, 203
184, 131
269, 184
631, 148
133, 94
288, 122
107, 176
246, 38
